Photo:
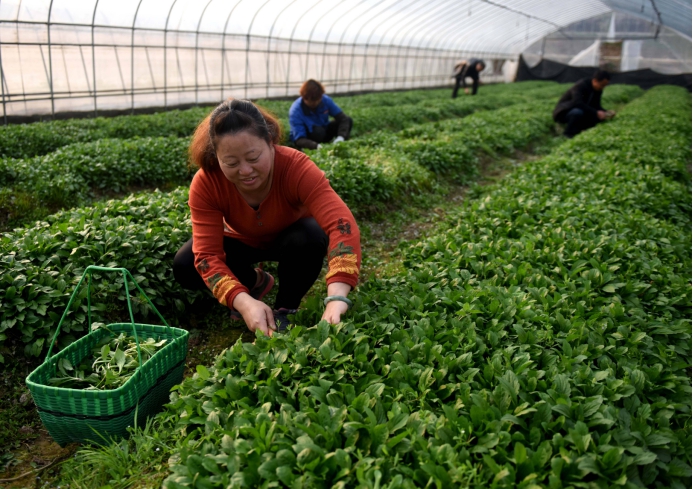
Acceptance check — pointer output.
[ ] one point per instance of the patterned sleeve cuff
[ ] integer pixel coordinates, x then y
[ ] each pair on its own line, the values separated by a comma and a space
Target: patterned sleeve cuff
349, 279
228, 300
225, 288
346, 263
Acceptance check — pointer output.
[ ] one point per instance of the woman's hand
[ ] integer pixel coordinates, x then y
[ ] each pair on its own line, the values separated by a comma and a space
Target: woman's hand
335, 309
256, 314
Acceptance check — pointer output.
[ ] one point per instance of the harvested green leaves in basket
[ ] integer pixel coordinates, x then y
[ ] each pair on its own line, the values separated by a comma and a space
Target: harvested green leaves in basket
114, 360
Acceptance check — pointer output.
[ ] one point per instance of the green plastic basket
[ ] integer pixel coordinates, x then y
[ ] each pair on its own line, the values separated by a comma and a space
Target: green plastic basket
78, 415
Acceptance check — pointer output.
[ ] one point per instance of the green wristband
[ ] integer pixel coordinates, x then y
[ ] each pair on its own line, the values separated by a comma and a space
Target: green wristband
331, 298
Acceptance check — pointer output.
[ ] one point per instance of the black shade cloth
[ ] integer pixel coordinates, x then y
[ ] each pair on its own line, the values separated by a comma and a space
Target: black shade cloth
562, 73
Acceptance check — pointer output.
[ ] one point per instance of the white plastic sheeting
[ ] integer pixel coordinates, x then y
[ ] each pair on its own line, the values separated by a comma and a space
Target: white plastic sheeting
620, 41
100, 55
587, 57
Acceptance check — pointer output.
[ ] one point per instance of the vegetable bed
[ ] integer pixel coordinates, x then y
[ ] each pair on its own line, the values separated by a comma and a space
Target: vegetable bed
142, 233
541, 339
40, 138
72, 163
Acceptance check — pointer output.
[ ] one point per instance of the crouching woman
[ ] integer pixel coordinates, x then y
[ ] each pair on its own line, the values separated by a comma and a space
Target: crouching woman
255, 201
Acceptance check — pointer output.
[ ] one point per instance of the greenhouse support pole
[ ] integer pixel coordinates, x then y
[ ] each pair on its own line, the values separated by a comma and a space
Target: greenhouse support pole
447, 47
445, 43
364, 68
132, 60
291, 41
2, 83
223, 50
197, 44
50, 60
434, 23
2, 86
310, 37
168, 17
324, 50
451, 32
93, 57
417, 25
659, 18
358, 33
543, 47
487, 18
341, 43
377, 51
443, 30
269, 44
442, 53
477, 44
247, 49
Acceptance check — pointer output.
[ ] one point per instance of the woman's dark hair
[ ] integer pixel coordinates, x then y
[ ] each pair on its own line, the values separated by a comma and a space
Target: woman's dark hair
311, 90
601, 75
230, 117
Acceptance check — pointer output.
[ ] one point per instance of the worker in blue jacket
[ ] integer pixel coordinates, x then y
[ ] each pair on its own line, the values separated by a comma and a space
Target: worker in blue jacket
309, 118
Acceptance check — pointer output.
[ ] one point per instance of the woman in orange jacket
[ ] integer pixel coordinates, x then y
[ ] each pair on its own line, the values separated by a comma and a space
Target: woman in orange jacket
255, 201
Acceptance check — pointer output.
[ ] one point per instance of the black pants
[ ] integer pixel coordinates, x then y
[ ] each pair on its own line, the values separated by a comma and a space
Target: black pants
299, 249
578, 120
323, 134
460, 81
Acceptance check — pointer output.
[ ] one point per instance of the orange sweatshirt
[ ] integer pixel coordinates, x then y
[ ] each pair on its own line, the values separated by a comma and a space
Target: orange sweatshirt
299, 189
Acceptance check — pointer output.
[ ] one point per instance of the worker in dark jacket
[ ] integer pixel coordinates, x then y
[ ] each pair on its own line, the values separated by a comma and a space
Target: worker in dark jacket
581, 107
464, 69
309, 118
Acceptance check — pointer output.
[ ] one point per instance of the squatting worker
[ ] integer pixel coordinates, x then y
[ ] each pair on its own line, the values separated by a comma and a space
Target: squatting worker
581, 106
309, 118
464, 69
254, 201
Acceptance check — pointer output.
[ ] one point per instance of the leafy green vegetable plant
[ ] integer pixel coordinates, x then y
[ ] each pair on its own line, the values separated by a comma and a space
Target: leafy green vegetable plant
155, 151
541, 338
143, 233
115, 359
29, 140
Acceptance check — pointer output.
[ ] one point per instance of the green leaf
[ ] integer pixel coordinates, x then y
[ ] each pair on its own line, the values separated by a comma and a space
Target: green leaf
520, 453
202, 372
120, 359
589, 465
105, 352
611, 457
285, 475
644, 458
656, 439
318, 393
10, 292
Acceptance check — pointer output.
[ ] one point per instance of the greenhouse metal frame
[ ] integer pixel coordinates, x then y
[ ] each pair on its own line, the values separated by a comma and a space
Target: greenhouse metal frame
117, 58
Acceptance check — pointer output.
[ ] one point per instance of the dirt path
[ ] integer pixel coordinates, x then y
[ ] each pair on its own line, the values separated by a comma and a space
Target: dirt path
380, 239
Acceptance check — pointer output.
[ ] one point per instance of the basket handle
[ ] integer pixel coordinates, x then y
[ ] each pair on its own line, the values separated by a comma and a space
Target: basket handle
87, 273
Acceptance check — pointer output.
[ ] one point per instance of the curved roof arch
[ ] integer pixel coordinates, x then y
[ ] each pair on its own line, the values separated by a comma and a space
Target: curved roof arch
497, 26
80, 55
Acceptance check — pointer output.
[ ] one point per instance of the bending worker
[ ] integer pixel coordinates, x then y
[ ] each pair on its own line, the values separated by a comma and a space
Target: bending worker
464, 69
309, 118
581, 106
254, 201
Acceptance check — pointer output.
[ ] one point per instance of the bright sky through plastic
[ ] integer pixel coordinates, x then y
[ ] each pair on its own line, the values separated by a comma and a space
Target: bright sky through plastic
491, 26
454, 24
128, 54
